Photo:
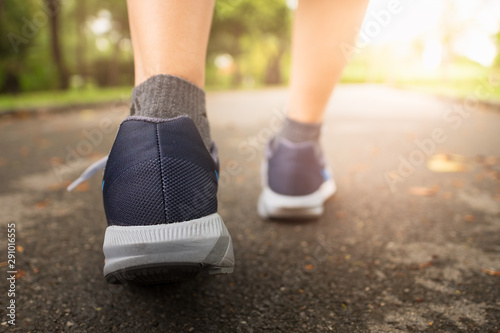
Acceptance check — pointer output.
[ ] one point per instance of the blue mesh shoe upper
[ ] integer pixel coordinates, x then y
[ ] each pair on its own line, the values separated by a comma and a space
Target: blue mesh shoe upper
294, 169
158, 172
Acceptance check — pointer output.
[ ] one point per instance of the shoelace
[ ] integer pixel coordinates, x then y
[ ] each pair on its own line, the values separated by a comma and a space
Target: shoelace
89, 172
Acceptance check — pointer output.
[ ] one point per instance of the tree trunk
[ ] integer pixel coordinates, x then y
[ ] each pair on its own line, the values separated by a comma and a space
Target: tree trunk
53, 7
273, 71
11, 83
81, 46
237, 77
114, 66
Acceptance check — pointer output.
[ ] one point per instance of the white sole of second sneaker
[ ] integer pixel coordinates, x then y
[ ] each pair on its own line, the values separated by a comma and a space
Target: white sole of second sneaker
274, 205
202, 243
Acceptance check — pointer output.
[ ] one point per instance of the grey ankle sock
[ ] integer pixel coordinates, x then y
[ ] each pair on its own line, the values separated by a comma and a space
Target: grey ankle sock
168, 96
299, 132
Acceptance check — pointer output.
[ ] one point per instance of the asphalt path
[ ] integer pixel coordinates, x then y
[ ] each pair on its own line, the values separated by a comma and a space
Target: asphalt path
410, 242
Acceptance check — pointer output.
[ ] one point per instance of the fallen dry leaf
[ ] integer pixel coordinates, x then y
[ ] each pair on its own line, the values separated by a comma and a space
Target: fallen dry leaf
479, 177
493, 174
446, 163
20, 273
447, 195
42, 204
83, 187
240, 179
410, 137
469, 218
97, 155
87, 114
394, 175
424, 191
56, 160
58, 186
309, 267
425, 264
22, 114
490, 160
479, 159
360, 167
19, 248
491, 272
43, 143
24, 151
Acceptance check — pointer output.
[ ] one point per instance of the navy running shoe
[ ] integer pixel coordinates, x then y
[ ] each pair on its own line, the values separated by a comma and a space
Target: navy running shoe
160, 199
295, 179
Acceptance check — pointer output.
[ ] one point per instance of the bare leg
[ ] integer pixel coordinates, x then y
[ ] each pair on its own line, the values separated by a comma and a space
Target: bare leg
170, 37
320, 27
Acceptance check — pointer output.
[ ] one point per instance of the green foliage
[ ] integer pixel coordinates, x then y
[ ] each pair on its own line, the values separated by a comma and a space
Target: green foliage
27, 64
497, 59
41, 99
249, 47
14, 44
256, 34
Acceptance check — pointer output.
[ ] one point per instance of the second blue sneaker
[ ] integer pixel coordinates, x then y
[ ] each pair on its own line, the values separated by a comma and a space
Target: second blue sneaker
295, 179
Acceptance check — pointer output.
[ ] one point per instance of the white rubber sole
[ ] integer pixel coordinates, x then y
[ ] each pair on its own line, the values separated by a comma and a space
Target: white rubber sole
167, 252
274, 205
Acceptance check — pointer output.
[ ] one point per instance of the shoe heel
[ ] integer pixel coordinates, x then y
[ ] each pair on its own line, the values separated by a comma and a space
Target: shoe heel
274, 205
168, 252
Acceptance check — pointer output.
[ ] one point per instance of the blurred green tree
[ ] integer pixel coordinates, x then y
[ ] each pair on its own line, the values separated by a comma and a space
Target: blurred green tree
13, 45
242, 28
54, 6
496, 63
54, 44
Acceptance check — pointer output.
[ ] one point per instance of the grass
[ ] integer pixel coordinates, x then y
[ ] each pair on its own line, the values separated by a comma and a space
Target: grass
459, 89
35, 100
459, 81
45, 99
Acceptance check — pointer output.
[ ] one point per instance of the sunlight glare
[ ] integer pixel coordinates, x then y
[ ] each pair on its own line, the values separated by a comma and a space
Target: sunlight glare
432, 55
477, 46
